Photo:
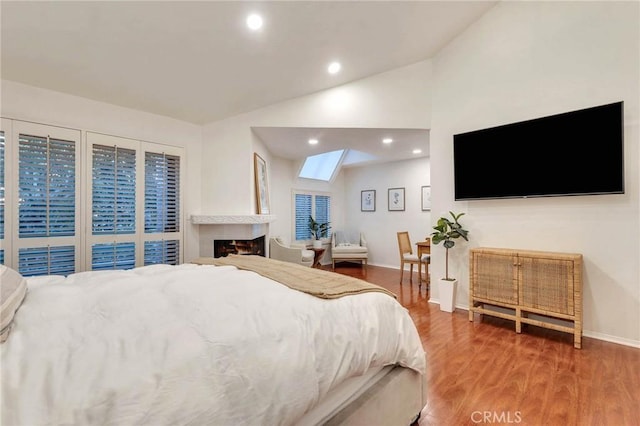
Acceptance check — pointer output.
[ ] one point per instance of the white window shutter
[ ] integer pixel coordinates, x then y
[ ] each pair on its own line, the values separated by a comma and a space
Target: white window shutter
113, 202
163, 204
47, 212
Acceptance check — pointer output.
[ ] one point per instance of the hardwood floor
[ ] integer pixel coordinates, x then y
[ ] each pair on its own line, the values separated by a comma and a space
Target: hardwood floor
482, 372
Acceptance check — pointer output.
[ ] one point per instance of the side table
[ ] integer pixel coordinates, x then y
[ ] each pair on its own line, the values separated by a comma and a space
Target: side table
318, 255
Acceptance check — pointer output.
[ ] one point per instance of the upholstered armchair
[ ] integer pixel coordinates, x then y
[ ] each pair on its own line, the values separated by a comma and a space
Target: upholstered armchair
349, 246
279, 249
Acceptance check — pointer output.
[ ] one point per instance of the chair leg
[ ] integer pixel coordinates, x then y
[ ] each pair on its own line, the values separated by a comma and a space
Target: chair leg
401, 271
411, 273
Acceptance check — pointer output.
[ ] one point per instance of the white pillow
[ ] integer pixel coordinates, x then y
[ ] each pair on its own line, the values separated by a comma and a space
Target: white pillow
13, 289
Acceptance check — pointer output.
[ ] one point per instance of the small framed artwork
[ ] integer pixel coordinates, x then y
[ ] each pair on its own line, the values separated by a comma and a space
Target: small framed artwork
396, 199
368, 200
426, 198
262, 184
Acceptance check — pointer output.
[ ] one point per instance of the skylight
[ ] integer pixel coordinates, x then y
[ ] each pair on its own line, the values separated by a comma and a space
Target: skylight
321, 166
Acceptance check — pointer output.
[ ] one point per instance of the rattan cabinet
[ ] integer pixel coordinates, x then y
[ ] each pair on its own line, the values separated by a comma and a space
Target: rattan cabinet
513, 284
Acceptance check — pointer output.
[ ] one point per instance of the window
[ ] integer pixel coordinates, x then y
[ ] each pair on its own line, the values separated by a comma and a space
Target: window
135, 203
114, 190
167, 252
113, 200
322, 166
60, 260
326, 166
113, 256
48, 210
161, 208
61, 221
310, 204
47, 187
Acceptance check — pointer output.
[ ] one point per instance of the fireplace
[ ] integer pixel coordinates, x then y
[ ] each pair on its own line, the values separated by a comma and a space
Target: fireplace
232, 228
223, 248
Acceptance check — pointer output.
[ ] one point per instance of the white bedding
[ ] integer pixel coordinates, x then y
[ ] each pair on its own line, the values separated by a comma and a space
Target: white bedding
188, 344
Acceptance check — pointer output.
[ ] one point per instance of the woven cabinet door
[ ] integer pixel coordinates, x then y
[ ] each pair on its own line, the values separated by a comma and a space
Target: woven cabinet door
547, 284
495, 278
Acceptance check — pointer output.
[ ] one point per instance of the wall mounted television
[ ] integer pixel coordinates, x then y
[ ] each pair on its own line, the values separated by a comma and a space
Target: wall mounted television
574, 153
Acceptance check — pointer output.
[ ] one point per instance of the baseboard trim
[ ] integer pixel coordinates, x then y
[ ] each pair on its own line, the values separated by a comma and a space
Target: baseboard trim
585, 333
612, 339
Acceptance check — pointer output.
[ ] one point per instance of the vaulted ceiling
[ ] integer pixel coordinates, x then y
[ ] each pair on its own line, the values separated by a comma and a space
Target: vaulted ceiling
198, 62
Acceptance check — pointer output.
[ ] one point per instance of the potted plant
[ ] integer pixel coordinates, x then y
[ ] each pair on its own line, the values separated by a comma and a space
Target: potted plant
318, 230
446, 231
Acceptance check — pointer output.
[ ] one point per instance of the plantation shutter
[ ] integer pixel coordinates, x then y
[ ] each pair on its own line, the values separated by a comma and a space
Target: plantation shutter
42, 224
303, 211
48, 210
309, 204
114, 176
322, 209
114, 190
58, 260
162, 205
167, 252
161, 193
113, 256
47, 187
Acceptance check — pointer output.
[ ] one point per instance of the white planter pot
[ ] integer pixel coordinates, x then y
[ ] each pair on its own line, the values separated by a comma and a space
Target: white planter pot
317, 244
447, 290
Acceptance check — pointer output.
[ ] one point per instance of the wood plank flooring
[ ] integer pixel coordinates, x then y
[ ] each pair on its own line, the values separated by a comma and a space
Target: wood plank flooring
482, 372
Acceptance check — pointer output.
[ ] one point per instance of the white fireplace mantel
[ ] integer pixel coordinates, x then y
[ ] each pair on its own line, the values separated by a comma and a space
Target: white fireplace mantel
250, 219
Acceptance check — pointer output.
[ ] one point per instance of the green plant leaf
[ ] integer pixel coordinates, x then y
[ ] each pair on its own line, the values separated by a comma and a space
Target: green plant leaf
446, 231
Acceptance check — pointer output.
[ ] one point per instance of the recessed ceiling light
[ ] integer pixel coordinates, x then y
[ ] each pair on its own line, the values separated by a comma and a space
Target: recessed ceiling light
334, 67
417, 151
254, 21
313, 141
387, 140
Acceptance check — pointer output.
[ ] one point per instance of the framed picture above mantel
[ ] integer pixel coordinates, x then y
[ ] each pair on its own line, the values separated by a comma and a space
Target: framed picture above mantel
262, 184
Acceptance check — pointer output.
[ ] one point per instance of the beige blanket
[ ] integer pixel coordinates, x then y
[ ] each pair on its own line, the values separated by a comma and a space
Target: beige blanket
316, 282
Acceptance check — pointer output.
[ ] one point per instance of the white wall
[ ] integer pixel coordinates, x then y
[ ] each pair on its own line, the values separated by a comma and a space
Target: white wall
284, 179
28, 103
397, 99
381, 227
529, 59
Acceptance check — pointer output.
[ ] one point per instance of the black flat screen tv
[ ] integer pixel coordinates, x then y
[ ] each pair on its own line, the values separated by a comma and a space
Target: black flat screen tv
573, 153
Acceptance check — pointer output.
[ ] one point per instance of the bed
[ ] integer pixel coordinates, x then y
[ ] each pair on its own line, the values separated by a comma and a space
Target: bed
209, 345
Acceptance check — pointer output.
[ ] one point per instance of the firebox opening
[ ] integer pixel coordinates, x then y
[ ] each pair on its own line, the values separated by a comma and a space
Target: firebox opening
223, 248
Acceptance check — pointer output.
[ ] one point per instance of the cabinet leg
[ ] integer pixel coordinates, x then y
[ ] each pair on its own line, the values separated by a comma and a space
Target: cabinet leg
577, 339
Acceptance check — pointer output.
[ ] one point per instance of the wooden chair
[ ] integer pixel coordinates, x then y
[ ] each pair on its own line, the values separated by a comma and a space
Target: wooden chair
424, 253
407, 256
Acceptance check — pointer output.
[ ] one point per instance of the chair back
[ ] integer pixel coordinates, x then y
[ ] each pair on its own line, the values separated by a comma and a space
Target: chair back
348, 237
404, 243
